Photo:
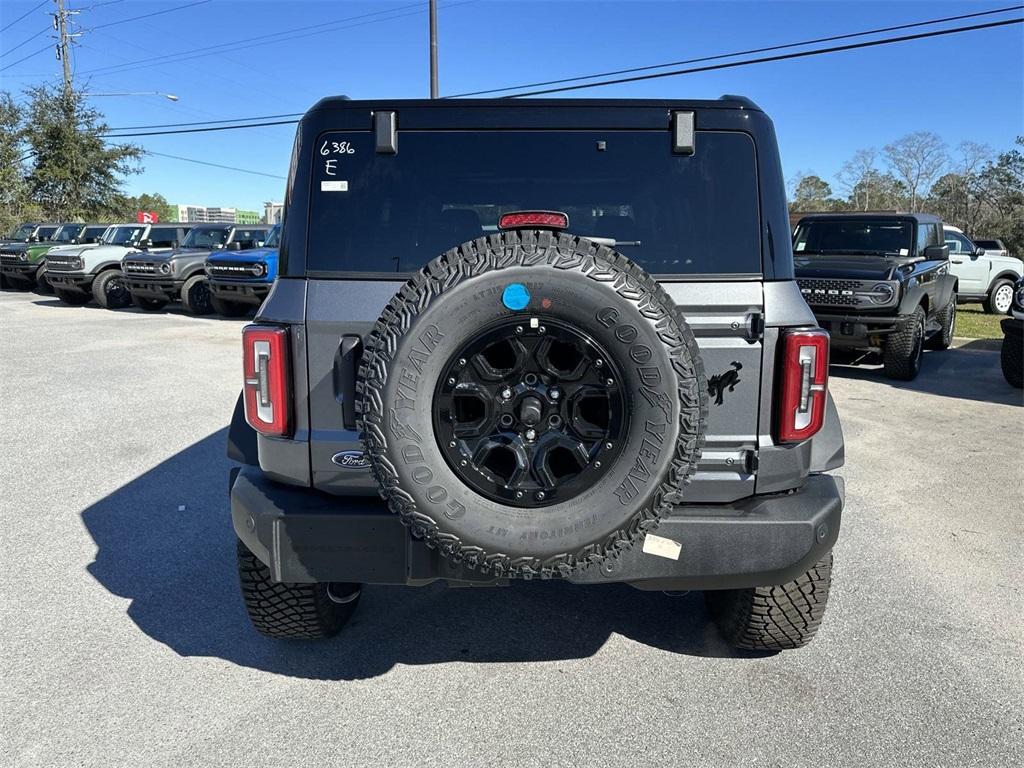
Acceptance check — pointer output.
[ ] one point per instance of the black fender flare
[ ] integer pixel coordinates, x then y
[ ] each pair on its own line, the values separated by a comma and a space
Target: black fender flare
242, 444
911, 299
948, 285
1006, 274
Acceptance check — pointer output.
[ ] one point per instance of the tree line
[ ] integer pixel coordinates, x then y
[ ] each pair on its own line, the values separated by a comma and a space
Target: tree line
55, 164
972, 186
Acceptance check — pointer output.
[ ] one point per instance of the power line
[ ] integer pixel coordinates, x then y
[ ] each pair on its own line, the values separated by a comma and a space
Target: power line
26, 13
147, 15
815, 41
319, 28
214, 165
745, 62
201, 130
766, 59
204, 122
43, 31
26, 58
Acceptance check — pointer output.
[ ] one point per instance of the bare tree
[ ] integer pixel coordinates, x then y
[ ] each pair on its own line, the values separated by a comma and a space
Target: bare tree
852, 175
917, 159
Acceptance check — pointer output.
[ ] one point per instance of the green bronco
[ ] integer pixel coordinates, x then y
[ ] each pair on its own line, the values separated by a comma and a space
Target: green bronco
23, 265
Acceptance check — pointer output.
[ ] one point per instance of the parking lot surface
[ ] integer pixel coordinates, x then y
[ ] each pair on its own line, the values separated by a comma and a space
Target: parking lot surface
125, 642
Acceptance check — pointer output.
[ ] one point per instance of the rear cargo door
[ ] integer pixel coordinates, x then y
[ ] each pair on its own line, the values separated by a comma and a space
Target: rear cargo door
691, 220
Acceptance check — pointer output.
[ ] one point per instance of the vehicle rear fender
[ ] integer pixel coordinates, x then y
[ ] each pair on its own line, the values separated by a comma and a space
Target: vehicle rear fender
241, 437
1005, 274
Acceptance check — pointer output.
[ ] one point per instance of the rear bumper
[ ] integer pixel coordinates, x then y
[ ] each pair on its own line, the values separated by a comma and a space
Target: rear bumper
75, 281
152, 288
307, 536
244, 292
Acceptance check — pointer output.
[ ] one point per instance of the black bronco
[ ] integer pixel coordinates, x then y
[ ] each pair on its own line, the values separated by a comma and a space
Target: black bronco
879, 283
504, 318
1011, 355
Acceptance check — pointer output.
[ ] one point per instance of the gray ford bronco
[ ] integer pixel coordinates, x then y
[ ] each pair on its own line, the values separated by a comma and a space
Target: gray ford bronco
536, 340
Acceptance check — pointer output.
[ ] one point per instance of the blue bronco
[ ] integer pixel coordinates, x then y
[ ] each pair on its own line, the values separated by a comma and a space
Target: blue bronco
239, 281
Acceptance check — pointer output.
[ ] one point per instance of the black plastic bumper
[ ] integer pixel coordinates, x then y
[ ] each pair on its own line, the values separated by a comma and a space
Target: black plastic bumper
848, 330
76, 281
151, 288
242, 292
22, 270
307, 536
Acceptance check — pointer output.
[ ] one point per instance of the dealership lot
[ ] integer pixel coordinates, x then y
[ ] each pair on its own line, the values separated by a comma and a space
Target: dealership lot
125, 641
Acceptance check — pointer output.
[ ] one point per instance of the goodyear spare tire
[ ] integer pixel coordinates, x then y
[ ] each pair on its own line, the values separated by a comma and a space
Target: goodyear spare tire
531, 403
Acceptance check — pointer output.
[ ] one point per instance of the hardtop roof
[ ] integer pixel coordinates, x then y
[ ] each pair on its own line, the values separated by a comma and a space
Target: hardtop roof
921, 218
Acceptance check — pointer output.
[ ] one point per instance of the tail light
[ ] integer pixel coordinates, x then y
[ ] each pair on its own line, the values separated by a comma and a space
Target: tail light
267, 379
804, 384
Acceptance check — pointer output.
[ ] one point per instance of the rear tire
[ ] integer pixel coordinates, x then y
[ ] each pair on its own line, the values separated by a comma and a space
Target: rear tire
1011, 358
195, 295
150, 305
1000, 297
294, 611
902, 351
110, 290
947, 321
229, 308
74, 298
774, 618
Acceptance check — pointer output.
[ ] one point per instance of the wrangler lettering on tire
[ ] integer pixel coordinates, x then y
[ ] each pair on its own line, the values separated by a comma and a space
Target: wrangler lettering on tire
531, 403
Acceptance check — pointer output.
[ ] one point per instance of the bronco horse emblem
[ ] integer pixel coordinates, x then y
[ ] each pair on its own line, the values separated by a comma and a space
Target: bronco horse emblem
718, 384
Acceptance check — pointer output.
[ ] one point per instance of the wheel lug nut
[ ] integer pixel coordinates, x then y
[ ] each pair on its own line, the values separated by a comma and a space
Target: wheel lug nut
463, 463
608, 446
599, 362
519, 494
506, 393
542, 329
462, 361
597, 465
609, 382
555, 393
451, 444
541, 495
451, 380
531, 434
519, 329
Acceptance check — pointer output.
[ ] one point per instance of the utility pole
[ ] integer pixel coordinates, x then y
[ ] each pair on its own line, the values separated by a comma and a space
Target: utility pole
433, 50
60, 23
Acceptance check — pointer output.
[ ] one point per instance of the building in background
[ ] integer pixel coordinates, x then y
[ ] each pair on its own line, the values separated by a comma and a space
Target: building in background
201, 214
247, 217
273, 213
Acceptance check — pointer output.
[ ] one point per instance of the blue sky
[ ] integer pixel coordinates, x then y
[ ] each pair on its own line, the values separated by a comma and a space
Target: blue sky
963, 87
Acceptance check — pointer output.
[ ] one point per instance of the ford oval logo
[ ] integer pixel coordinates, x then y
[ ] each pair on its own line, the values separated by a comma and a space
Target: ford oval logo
351, 460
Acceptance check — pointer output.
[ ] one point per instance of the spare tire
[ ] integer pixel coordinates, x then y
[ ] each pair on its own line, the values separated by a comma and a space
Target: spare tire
531, 403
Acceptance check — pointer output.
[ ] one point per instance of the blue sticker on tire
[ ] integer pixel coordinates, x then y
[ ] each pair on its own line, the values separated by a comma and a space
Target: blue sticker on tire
515, 296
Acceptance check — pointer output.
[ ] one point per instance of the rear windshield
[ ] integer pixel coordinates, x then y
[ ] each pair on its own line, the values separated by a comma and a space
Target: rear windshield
852, 236
673, 214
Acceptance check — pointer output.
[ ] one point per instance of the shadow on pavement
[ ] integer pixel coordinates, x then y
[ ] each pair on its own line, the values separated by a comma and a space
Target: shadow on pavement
178, 570
969, 372
170, 309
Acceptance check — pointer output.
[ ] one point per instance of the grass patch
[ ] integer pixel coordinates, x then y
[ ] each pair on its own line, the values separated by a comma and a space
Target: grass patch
973, 323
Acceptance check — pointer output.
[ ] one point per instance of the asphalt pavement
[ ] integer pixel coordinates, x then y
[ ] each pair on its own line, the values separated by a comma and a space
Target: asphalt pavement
123, 640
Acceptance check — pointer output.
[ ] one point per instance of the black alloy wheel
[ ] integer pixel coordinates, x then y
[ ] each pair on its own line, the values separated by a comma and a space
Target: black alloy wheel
530, 413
